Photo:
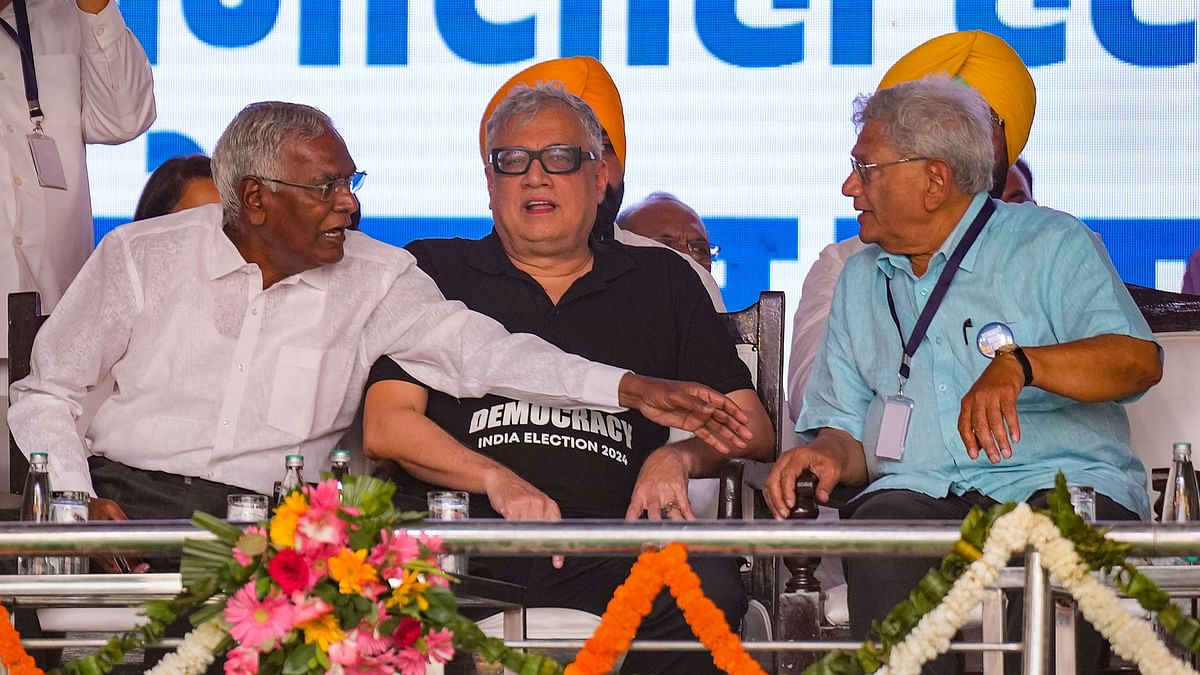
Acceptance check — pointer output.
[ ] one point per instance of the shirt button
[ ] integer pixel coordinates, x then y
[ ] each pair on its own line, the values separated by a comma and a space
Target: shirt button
937, 341
100, 30
9, 127
941, 387
18, 240
17, 180
225, 423
241, 367
924, 292
254, 311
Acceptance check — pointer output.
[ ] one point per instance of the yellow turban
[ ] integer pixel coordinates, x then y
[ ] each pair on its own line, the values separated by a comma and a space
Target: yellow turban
581, 75
986, 63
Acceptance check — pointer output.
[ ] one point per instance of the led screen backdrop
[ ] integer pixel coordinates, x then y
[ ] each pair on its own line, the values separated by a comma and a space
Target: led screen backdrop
740, 107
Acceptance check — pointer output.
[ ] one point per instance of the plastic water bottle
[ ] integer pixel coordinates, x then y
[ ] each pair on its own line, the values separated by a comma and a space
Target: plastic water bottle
1183, 497
293, 477
36, 500
339, 466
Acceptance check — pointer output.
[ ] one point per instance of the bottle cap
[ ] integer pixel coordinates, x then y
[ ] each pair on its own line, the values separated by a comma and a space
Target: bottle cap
295, 460
37, 455
339, 454
1181, 450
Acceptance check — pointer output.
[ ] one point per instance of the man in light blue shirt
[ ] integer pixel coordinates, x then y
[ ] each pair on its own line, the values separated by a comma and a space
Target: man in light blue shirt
1018, 373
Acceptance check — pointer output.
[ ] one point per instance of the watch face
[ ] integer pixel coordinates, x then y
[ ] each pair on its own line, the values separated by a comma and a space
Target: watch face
993, 337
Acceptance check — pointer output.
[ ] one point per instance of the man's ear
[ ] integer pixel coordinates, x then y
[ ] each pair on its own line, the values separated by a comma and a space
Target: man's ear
939, 183
601, 179
491, 185
252, 194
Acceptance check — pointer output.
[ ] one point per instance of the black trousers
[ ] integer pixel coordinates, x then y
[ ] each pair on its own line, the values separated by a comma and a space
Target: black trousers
588, 584
875, 585
149, 495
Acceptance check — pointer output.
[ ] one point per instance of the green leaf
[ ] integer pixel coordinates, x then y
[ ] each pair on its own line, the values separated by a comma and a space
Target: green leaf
297, 661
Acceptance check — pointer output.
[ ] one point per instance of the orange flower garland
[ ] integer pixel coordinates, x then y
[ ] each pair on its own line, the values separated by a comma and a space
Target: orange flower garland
15, 659
632, 601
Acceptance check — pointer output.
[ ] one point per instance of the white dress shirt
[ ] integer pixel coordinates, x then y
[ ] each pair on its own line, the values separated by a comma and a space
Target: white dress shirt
812, 313
95, 86
217, 378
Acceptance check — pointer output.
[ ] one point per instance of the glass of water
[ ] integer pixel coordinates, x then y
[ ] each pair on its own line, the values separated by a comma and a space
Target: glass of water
1083, 499
246, 508
450, 505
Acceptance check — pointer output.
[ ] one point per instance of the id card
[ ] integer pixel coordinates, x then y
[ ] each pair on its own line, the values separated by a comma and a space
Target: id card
47, 162
893, 427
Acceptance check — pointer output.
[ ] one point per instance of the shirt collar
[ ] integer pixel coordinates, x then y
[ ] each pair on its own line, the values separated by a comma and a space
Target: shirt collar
609, 262
223, 258
888, 263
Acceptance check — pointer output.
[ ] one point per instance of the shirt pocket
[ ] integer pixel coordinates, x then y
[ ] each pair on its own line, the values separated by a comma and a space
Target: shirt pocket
309, 390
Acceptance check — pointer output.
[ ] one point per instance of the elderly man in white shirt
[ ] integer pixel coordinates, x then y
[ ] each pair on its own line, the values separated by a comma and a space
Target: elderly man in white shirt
94, 85
243, 332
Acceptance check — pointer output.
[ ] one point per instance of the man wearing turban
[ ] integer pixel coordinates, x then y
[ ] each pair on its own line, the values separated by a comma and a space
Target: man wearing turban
988, 65
587, 78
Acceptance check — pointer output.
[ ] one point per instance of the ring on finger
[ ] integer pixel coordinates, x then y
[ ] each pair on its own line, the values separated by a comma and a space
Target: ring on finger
669, 507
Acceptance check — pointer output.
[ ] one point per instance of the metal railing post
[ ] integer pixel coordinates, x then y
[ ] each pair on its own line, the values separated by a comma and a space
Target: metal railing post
1035, 659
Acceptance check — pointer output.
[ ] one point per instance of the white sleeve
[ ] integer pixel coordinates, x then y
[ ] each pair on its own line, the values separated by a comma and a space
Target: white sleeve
116, 83
812, 313
74, 350
466, 354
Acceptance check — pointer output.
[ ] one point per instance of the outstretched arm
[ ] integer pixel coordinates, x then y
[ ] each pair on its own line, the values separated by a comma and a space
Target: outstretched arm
714, 418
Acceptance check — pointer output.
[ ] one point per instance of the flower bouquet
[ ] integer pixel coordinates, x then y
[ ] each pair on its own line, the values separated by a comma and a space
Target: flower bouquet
329, 585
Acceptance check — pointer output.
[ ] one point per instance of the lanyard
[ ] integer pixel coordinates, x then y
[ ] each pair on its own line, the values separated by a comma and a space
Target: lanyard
21, 36
939, 291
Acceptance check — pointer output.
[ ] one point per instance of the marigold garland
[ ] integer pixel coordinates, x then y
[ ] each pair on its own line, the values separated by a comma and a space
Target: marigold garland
14, 656
632, 601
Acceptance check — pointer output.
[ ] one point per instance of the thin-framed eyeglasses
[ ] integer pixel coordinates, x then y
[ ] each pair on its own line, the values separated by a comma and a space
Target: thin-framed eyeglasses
699, 249
861, 169
555, 159
328, 189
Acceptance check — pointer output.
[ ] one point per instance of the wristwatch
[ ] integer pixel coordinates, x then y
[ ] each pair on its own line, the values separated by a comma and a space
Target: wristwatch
1019, 354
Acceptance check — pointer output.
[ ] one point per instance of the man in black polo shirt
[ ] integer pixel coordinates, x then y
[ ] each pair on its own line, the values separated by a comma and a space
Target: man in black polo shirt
638, 308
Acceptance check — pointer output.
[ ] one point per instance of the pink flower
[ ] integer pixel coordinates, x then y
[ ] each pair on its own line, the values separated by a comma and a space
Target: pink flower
289, 570
323, 496
434, 544
241, 661
257, 622
392, 551
241, 558
253, 537
439, 645
411, 662
369, 643
345, 653
305, 608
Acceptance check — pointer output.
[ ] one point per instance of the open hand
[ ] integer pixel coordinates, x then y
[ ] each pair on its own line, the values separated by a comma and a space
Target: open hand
713, 417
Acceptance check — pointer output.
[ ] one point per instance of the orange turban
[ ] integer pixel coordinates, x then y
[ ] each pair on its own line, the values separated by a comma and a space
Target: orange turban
986, 63
581, 75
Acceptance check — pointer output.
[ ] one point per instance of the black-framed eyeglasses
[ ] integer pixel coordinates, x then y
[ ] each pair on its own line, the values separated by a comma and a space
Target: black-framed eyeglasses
861, 169
328, 189
554, 159
699, 249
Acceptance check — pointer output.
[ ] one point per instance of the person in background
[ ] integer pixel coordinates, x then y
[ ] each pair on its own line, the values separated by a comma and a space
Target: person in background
1191, 274
1018, 185
1012, 373
94, 85
663, 217
587, 78
635, 307
991, 67
179, 183
241, 332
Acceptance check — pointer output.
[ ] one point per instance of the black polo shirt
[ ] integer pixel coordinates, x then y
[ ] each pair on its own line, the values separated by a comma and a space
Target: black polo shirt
639, 308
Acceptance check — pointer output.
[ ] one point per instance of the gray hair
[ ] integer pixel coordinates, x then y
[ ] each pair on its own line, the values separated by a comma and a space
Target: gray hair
523, 102
250, 145
935, 117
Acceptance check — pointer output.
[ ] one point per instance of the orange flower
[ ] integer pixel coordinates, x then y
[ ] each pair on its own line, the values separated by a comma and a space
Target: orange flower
11, 652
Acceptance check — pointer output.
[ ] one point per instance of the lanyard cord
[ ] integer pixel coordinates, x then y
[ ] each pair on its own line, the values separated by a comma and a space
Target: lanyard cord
21, 36
939, 292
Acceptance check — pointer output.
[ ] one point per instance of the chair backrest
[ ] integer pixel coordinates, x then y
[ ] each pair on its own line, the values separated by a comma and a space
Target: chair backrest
24, 319
1170, 411
761, 327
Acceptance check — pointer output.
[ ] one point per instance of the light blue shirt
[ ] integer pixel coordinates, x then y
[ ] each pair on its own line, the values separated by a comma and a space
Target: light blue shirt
1043, 274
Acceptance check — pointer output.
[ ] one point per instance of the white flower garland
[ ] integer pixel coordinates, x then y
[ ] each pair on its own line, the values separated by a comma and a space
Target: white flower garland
196, 653
1131, 637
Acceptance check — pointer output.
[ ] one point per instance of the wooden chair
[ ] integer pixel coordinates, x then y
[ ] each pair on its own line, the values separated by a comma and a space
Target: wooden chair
24, 319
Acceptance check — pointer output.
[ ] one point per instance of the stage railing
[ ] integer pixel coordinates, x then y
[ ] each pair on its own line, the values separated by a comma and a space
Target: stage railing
581, 537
